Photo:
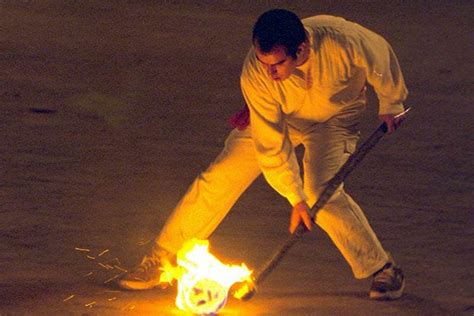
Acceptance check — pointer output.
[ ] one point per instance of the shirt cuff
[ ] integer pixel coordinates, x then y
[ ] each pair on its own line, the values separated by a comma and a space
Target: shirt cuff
386, 108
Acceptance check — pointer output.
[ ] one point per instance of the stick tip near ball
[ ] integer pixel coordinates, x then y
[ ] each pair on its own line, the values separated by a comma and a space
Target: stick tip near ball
243, 291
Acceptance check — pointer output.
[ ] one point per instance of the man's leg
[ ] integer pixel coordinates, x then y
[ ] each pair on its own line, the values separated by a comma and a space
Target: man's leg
327, 147
212, 194
199, 212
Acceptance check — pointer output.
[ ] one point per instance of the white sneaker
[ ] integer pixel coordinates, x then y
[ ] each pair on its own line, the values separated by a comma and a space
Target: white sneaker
147, 274
388, 283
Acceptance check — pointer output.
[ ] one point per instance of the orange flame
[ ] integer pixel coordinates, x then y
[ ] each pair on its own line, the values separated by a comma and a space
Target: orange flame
203, 281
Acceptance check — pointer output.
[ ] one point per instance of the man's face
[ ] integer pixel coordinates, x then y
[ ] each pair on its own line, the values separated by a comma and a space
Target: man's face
279, 64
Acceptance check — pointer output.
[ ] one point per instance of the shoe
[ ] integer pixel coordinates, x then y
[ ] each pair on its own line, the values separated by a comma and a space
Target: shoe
147, 274
388, 283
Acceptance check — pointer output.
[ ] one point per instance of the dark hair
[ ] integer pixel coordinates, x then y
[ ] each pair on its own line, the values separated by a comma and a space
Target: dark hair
279, 27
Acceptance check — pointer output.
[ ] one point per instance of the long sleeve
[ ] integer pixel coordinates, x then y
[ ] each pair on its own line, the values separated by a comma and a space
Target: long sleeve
269, 131
376, 56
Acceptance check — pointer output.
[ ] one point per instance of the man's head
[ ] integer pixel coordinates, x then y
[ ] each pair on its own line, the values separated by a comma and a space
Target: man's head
280, 42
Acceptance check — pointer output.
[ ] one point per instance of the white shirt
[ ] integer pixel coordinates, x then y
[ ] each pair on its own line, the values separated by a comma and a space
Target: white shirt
343, 57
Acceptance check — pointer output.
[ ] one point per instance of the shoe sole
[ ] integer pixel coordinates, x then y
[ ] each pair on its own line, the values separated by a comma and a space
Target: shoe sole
139, 286
388, 296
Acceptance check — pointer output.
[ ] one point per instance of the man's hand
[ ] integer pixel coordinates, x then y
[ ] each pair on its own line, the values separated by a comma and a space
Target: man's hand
393, 122
241, 119
300, 214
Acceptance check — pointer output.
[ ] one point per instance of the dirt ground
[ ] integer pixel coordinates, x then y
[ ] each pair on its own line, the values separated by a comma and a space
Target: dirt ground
109, 109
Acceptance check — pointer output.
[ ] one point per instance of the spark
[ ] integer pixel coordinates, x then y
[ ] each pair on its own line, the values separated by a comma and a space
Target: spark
68, 298
112, 278
90, 257
120, 268
143, 242
129, 307
103, 252
82, 249
90, 304
103, 266
112, 299
90, 273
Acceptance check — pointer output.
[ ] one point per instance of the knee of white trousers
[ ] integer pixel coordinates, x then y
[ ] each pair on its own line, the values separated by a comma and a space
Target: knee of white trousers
348, 228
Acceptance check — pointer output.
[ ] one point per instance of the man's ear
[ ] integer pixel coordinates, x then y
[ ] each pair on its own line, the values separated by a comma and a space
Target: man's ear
302, 50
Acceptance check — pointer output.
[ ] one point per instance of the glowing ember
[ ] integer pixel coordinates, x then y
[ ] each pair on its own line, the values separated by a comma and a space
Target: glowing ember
203, 281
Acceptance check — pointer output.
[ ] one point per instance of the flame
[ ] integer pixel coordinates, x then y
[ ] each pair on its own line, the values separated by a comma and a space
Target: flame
202, 280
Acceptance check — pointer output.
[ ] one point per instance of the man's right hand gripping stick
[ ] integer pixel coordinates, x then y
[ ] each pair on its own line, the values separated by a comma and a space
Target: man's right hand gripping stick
246, 290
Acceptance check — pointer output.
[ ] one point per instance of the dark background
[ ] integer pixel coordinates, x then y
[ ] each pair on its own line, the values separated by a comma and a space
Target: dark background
109, 109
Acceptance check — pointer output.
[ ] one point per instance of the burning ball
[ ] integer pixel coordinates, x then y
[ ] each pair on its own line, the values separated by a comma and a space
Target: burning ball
203, 281
206, 296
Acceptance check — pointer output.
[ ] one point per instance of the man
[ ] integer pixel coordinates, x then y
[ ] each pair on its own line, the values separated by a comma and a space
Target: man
304, 83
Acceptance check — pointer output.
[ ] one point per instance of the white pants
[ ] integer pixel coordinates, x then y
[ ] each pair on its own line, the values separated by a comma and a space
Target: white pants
214, 192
